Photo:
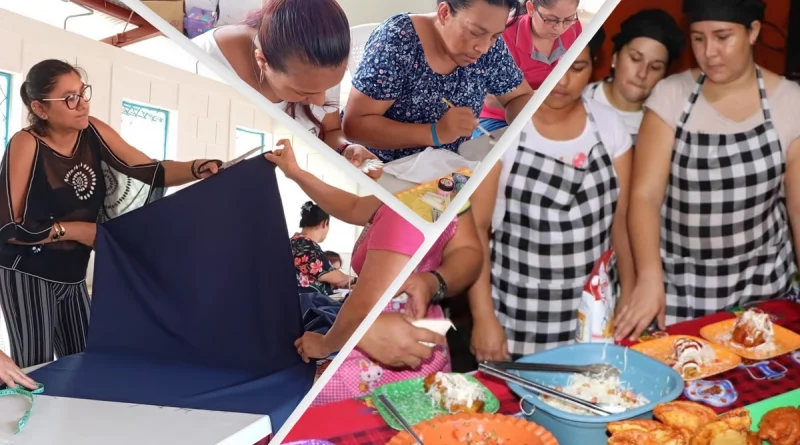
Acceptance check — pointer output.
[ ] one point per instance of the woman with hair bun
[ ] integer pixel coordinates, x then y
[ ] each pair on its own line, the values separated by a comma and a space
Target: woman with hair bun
58, 179
647, 43
314, 269
716, 183
293, 52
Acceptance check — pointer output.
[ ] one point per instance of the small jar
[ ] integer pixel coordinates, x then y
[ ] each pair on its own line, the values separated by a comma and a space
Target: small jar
445, 188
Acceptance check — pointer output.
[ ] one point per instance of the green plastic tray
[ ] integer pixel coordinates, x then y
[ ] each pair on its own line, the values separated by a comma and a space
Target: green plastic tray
410, 400
758, 409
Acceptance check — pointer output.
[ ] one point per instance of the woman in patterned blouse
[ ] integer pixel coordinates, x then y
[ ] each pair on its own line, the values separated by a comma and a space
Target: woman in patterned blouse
314, 270
413, 62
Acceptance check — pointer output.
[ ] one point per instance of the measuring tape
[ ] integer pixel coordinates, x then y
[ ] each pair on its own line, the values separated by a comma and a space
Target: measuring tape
23, 391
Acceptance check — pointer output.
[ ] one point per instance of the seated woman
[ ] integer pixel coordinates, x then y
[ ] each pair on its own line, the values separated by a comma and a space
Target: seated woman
556, 205
385, 246
716, 190
414, 62
314, 271
647, 43
277, 52
59, 177
536, 41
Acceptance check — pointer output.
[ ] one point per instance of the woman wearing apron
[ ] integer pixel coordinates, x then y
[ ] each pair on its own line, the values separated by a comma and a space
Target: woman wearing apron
556, 204
647, 43
719, 176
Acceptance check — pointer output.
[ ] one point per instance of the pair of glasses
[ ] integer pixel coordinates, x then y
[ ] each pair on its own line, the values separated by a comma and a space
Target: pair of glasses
557, 21
72, 99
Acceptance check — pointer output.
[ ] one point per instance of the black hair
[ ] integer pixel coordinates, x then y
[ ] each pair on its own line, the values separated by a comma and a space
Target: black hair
513, 5
315, 32
549, 3
333, 257
596, 44
39, 82
655, 24
312, 215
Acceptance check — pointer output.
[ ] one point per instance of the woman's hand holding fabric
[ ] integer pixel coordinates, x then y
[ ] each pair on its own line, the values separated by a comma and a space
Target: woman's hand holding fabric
11, 375
420, 288
489, 340
636, 310
393, 341
284, 158
357, 154
312, 346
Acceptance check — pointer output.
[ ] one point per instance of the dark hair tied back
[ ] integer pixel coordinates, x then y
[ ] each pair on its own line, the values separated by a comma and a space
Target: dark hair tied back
312, 215
514, 6
39, 83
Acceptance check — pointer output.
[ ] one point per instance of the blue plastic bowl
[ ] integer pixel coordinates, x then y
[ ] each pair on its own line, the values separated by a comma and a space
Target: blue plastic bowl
644, 375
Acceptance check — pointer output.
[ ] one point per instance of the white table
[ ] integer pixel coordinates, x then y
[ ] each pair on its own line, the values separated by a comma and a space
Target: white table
68, 421
473, 150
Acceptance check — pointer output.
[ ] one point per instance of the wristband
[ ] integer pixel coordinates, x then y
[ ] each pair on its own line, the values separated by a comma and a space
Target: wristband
436, 142
343, 147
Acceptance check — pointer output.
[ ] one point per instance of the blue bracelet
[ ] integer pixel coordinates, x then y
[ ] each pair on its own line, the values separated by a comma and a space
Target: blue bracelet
436, 142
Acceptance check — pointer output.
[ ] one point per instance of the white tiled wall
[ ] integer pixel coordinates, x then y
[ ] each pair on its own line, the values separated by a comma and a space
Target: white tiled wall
207, 111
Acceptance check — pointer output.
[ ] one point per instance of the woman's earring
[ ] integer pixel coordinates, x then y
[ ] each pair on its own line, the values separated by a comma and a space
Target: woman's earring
261, 77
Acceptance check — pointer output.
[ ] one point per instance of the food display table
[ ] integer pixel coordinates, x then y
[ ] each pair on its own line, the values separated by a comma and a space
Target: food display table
354, 422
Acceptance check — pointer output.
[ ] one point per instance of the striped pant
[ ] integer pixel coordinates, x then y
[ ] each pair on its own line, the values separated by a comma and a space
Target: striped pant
43, 318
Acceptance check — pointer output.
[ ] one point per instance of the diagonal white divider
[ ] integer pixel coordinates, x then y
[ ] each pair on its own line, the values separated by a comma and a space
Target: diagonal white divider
430, 230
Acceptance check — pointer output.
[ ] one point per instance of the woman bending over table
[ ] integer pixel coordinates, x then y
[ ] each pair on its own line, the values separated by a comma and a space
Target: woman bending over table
277, 51
536, 41
385, 246
555, 205
59, 178
314, 269
647, 43
413, 62
716, 190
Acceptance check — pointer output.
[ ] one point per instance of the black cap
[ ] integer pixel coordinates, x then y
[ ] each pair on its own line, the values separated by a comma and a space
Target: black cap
655, 24
743, 12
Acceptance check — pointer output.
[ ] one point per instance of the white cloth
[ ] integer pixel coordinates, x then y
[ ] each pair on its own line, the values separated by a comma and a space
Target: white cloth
632, 119
612, 130
428, 165
208, 43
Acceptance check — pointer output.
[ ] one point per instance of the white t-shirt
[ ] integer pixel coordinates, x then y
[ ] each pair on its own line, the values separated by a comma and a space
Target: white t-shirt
613, 133
208, 43
632, 119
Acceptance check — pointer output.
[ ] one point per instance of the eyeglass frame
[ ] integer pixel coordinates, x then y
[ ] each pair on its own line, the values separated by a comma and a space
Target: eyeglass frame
81, 95
569, 21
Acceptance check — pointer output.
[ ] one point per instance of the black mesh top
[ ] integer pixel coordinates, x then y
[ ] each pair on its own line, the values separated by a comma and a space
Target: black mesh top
92, 185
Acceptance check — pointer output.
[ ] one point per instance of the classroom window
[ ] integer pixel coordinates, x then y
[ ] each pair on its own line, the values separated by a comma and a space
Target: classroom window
5, 106
247, 140
146, 128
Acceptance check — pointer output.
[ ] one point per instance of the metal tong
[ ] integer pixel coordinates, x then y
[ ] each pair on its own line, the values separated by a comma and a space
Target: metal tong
399, 418
597, 369
544, 390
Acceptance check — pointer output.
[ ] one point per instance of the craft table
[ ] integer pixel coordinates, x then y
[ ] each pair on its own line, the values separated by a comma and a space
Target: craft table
353, 422
473, 150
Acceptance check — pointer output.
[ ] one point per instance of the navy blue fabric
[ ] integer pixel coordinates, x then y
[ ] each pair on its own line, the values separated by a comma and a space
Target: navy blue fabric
319, 311
194, 304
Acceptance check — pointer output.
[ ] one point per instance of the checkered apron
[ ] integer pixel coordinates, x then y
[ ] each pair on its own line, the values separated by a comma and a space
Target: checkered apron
556, 226
725, 235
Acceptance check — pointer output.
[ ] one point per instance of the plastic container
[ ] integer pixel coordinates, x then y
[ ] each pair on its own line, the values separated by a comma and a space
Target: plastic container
656, 381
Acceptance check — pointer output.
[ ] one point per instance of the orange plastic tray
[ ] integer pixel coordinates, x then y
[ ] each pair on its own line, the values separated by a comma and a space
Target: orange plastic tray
487, 429
661, 350
785, 341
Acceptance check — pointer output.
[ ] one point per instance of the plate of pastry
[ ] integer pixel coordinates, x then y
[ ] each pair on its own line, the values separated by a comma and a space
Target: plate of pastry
752, 336
423, 398
477, 429
693, 358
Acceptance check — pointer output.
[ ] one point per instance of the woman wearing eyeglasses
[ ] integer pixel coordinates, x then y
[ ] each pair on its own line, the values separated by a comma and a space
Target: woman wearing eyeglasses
536, 41
58, 178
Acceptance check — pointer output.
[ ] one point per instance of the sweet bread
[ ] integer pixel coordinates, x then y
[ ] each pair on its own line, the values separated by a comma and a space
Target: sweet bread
454, 393
781, 426
686, 417
752, 329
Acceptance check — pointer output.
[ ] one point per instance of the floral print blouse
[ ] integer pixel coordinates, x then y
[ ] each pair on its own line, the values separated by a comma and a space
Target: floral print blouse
310, 263
394, 68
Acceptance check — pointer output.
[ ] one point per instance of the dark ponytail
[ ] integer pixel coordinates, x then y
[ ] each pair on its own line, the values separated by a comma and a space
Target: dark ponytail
312, 215
315, 32
39, 82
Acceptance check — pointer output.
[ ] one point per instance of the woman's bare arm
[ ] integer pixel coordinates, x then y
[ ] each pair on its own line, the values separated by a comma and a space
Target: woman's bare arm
792, 183
619, 231
483, 201
515, 101
365, 123
462, 257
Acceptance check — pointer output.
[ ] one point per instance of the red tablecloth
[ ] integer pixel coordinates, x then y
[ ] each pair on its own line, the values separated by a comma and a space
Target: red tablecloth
352, 422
